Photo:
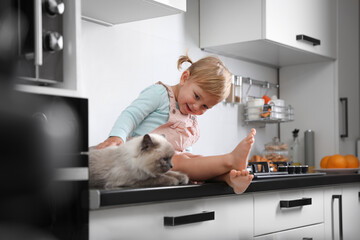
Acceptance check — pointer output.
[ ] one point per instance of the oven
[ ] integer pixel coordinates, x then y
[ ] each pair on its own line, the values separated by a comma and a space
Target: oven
44, 173
41, 41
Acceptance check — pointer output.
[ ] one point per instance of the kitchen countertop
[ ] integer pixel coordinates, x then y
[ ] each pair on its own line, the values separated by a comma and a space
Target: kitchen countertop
106, 198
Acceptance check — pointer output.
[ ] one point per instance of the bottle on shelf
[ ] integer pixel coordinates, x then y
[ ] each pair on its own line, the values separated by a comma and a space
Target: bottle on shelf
294, 148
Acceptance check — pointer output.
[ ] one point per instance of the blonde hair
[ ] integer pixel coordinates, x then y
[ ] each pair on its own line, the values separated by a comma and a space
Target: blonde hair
210, 74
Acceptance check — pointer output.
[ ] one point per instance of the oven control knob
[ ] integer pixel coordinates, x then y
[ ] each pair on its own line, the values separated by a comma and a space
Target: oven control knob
53, 42
54, 7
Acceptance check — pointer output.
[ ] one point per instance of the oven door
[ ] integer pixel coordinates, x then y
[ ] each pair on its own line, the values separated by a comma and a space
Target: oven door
44, 172
40, 24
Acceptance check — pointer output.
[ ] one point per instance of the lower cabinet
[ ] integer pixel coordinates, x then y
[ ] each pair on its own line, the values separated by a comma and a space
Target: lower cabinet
208, 218
351, 211
283, 210
342, 211
331, 212
312, 232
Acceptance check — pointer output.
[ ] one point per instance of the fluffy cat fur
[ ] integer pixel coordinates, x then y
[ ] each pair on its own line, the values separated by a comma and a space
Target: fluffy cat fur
143, 161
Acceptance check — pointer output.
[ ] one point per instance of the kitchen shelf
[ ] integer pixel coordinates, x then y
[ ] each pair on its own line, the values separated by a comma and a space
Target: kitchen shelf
280, 115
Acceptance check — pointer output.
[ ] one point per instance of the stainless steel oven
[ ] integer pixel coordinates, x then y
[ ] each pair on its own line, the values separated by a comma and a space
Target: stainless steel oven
41, 42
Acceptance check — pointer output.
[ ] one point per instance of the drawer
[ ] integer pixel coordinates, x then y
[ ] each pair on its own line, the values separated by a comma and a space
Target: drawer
282, 210
313, 232
147, 221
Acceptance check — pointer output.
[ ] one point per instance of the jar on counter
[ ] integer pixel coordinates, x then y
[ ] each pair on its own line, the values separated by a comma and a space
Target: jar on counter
276, 151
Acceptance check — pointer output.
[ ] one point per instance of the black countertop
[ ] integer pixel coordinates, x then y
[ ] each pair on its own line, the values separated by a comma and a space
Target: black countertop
106, 198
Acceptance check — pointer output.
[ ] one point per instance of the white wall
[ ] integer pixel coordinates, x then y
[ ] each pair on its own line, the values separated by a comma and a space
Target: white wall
118, 62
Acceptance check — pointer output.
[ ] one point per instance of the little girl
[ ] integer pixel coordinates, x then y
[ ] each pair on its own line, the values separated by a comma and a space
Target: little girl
171, 111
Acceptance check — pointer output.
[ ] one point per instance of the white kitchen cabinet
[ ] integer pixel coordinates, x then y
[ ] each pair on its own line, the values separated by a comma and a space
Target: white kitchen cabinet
265, 31
313, 232
233, 220
314, 90
342, 211
288, 209
351, 211
111, 12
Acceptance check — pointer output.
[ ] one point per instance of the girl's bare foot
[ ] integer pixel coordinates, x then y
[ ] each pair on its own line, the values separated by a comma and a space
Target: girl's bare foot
240, 154
239, 180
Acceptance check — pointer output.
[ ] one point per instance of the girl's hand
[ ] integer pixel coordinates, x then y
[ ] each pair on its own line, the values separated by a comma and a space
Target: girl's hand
111, 141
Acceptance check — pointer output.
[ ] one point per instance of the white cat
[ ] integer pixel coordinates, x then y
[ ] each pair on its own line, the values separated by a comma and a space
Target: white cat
140, 162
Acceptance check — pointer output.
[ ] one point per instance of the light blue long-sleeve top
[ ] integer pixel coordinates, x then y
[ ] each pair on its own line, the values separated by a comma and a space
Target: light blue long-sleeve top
149, 111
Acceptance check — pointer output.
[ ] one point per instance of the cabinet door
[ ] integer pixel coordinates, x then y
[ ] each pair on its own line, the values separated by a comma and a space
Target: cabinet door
351, 211
111, 12
283, 210
314, 18
233, 219
342, 211
332, 212
314, 232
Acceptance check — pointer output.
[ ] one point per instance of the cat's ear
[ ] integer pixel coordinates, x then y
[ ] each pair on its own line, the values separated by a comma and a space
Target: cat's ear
147, 143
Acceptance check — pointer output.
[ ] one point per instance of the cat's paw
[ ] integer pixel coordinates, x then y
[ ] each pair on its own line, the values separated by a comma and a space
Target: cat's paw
182, 178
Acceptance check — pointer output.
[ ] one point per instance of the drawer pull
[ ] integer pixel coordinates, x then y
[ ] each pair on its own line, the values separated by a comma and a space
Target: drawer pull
295, 203
302, 37
186, 219
306, 238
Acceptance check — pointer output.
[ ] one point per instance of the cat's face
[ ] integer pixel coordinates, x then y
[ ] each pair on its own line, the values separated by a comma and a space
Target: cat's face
155, 154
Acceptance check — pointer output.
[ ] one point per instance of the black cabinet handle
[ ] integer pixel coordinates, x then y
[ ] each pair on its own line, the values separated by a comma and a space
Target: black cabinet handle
302, 37
186, 219
306, 238
340, 215
345, 100
295, 203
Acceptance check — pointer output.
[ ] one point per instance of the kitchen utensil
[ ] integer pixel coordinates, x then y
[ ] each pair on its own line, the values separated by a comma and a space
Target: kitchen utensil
309, 149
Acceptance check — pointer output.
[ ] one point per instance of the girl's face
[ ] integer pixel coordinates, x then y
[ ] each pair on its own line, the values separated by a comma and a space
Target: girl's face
192, 99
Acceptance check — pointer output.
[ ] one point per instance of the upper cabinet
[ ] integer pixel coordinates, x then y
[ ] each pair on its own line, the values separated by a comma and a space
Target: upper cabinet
111, 12
271, 32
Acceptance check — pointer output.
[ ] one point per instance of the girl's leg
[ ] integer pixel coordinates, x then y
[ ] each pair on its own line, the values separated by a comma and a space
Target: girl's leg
202, 168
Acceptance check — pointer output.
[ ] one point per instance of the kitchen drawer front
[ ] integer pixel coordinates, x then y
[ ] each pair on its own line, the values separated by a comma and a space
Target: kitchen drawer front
282, 210
147, 221
313, 232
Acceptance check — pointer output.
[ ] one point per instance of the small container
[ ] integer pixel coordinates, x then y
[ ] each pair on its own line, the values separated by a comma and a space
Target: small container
278, 109
291, 169
276, 151
309, 149
297, 169
255, 108
238, 89
231, 97
282, 168
304, 169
